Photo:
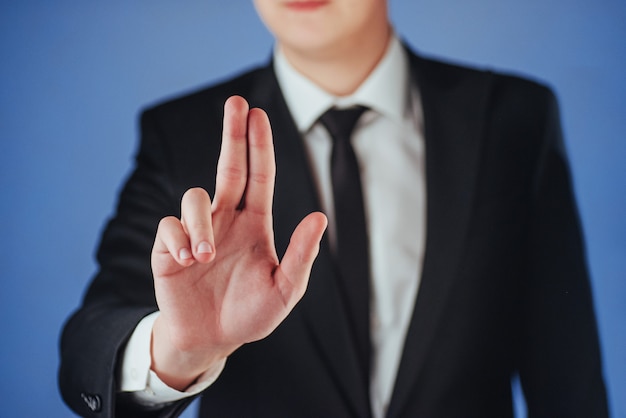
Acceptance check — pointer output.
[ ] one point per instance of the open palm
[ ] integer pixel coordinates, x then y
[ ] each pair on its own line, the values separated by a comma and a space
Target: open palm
218, 281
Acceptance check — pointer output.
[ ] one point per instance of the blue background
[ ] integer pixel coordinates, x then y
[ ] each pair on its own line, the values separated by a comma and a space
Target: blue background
74, 74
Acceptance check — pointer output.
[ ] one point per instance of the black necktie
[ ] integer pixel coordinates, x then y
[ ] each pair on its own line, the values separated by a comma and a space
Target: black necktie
352, 241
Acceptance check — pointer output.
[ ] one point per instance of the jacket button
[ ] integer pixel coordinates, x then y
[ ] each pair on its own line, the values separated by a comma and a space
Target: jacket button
93, 402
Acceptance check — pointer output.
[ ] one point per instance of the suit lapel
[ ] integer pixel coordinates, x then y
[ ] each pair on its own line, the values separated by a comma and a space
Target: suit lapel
295, 197
454, 103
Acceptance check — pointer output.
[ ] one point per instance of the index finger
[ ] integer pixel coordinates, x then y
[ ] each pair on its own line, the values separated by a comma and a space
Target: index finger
261, 164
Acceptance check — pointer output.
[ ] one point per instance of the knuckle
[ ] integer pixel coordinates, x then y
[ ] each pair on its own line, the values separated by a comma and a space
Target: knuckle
261, 178
198, 225
231, 173
237, 135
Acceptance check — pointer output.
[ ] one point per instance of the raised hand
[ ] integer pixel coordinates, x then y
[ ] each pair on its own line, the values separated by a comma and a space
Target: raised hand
217, 278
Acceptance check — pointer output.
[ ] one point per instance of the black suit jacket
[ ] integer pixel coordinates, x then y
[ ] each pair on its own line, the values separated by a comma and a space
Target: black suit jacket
504, 288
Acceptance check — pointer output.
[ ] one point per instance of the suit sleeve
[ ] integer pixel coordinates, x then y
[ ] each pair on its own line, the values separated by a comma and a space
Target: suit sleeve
560, 367
121, 293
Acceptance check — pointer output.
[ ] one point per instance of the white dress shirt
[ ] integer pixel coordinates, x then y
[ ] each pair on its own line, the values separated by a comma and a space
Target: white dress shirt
389, 144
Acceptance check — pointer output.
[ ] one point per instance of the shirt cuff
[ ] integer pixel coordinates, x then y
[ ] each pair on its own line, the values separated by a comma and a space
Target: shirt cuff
146, 386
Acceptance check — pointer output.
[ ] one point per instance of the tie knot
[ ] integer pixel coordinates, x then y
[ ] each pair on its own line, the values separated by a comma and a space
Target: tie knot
341, 122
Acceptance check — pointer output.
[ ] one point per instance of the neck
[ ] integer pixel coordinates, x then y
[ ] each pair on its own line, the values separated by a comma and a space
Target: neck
343, 68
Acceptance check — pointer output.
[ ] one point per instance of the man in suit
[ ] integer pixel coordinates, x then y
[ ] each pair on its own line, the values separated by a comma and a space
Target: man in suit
474, 260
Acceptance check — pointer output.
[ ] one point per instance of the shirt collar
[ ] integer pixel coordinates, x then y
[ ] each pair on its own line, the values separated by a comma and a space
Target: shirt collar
385, 90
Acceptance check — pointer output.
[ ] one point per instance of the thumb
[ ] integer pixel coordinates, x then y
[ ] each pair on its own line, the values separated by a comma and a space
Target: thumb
292, 275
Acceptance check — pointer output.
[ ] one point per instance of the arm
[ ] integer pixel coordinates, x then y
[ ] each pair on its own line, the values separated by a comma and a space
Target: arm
215, 259
121, 293
560, 366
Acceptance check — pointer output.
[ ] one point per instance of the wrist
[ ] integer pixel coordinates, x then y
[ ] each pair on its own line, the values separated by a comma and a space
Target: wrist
180, 368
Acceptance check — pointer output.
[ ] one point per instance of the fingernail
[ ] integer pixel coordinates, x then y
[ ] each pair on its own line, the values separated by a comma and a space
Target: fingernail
205, 247
184, 254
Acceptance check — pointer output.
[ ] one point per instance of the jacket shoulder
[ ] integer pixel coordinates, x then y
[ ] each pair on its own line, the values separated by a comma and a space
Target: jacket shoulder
206, 99
501, 84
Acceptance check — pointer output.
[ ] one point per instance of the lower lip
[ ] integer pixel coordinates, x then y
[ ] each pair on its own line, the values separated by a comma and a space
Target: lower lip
302, 6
